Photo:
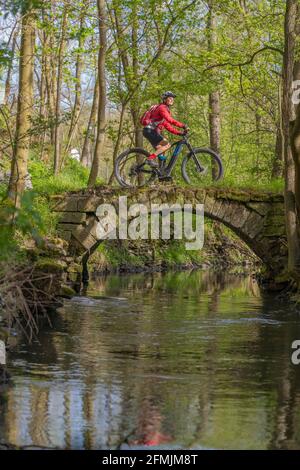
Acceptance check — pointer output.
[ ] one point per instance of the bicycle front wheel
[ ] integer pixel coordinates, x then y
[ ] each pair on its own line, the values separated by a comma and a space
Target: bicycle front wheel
203, 167
131, 169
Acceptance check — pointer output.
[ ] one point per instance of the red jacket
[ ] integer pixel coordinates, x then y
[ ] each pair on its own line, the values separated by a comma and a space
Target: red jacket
162, 115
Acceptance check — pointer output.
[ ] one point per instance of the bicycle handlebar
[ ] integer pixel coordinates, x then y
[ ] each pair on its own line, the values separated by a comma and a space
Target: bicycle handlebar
186, 135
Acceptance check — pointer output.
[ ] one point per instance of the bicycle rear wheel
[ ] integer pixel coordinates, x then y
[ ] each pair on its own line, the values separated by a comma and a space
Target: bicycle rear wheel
204, 168
131, 169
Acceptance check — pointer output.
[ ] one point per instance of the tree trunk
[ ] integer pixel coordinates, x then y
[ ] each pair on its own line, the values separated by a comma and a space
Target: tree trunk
43, 95
118, 141
102, 95
10, 67
214, 97
295, 147
50, 60
138, 131
278, 161
77, 102
214, 121
24, 110
50, 85
277, 168
57, 129
289, 172
258, 142
90, 130
296, 155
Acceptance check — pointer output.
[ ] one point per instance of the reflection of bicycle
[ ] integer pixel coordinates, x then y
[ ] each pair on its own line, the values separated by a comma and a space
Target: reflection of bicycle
200, 165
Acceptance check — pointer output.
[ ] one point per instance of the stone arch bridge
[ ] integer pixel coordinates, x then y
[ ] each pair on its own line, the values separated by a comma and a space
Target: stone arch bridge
256, 217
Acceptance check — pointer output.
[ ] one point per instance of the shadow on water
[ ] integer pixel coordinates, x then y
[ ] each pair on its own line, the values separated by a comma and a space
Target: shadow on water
175, 360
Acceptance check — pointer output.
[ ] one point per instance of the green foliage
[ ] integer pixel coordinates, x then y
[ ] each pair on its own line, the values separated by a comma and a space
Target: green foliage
17, 224
175, 253
5, 55
244, 66
117, 255
15, 6
35, 219
73, 177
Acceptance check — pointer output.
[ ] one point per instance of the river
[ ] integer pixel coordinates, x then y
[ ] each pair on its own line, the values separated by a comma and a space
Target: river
192, 360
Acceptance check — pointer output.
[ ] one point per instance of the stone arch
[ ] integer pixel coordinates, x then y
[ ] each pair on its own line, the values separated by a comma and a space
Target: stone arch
255, 217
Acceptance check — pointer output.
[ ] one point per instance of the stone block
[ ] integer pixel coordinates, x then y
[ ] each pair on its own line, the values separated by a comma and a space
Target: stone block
240, 215
171, 196
218, 208
65, 234
228, 208
261, 207
209, 205
84, 238
274, 231
87, 236
69, 227
72, 217
180, 196
68, 204
190, 196
200, 196
274, 220
89, 203
278, 208
253, 225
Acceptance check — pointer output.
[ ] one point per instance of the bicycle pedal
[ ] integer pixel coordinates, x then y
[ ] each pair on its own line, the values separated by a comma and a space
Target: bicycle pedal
165, 178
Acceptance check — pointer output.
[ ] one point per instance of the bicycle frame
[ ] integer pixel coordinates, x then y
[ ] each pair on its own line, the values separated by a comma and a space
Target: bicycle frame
167, 170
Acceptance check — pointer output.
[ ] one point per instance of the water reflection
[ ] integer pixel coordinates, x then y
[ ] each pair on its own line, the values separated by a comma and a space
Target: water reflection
187, 360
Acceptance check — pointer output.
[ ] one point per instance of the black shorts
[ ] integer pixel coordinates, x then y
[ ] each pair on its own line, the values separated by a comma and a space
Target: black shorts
152, 136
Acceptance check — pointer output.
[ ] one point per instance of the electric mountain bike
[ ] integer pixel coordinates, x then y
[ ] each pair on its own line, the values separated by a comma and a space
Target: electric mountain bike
199, 165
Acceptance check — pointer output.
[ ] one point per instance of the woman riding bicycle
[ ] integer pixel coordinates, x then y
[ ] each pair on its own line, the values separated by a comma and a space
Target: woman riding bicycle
198, 165
159, 117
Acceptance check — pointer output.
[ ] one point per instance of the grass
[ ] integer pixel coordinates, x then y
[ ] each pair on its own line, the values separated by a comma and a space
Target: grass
247, 184
73, 177
276, 185
35, 205
175, 253
35, 218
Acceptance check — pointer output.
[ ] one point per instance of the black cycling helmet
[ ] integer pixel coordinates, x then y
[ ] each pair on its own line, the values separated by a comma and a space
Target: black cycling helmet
168, 94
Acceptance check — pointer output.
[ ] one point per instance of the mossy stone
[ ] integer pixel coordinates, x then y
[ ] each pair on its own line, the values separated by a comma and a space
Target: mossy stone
66, 291
49, 265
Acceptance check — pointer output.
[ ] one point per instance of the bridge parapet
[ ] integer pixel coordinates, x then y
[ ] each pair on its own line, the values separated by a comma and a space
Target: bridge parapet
256, 217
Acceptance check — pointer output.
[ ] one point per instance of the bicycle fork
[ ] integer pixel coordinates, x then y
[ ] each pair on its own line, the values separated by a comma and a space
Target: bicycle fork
197, 163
